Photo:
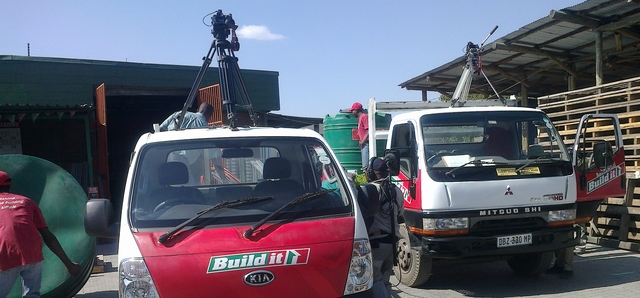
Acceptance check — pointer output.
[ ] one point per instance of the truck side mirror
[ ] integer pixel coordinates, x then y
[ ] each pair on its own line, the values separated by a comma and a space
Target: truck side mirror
602, 154
99, 220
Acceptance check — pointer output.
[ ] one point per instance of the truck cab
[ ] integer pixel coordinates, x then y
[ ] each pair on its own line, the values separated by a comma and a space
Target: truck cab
254, 212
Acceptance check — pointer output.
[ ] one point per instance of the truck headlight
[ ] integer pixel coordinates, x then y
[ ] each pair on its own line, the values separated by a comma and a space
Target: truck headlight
135, 280
360, 276
444, 226
445, 223
561, 217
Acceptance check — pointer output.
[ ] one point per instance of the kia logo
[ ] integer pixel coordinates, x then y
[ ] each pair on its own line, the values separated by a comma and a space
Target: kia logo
259, 278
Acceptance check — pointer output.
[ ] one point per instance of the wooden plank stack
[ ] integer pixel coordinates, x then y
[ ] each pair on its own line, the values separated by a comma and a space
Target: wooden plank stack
618, 221
621, 98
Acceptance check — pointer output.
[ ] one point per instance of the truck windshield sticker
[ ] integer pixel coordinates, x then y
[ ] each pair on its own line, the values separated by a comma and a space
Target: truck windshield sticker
265, 259
604, 178
512, 171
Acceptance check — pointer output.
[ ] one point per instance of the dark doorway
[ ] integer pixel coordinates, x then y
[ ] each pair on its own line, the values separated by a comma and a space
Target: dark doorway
128, 117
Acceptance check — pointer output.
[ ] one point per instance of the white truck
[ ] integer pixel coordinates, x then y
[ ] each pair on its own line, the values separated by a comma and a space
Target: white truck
495, 181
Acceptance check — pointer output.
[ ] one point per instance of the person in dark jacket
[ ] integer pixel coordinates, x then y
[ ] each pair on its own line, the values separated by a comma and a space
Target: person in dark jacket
385, 229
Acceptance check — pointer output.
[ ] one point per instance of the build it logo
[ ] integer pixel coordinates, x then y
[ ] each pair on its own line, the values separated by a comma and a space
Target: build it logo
274, 258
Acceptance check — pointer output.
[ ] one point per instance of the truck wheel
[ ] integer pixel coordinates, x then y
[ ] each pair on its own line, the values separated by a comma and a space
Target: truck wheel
530, 264
413, 268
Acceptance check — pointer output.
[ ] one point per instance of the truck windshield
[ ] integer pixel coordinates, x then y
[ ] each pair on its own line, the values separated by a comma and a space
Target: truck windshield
175, 180
493, 137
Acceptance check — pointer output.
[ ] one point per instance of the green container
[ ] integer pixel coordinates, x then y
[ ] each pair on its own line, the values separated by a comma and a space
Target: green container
62, 202
340, 131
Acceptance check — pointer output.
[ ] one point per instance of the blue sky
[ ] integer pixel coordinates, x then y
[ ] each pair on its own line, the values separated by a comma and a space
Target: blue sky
329, 54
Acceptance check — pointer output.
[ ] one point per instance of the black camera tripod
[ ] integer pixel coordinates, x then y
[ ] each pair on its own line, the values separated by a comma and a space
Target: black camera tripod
230, 79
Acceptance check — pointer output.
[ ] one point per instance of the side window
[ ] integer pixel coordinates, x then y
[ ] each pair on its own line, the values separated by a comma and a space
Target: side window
327, 171
597, 144
401, 141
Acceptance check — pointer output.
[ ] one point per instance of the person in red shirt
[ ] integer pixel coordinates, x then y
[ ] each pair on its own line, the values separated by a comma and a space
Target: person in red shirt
21, 228
363, 131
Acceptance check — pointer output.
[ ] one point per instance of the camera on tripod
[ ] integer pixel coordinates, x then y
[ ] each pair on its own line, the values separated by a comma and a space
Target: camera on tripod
222, 24
228, 70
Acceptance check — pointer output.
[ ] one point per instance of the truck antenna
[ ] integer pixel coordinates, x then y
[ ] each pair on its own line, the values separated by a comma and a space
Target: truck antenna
229, 72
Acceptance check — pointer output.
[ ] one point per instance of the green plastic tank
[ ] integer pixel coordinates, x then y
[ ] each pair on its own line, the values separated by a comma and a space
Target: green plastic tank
340, 131
62, 202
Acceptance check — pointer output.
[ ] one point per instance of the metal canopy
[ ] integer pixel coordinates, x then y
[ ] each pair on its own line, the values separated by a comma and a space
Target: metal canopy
554, 54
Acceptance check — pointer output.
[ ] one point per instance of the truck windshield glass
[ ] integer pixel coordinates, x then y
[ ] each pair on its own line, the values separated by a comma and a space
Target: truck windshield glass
496, 137
176, 180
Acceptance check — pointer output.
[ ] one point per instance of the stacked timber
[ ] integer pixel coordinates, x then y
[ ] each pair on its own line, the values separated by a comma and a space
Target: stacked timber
618, 221
621, 98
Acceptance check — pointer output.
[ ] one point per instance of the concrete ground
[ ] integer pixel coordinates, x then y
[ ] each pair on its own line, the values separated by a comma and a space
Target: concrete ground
599, 272
105, 284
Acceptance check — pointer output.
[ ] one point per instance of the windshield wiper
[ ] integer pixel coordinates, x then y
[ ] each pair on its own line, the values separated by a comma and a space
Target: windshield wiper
475, 162
529, 163
225, 204
296, 201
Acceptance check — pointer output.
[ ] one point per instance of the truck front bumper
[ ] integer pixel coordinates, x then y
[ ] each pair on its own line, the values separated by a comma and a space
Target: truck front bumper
476, 246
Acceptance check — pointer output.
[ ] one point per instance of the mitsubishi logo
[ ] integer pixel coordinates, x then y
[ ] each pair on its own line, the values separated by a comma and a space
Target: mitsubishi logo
508, 192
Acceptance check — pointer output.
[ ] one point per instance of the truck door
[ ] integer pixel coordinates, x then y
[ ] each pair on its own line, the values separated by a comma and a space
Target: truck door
598, 158
403, 140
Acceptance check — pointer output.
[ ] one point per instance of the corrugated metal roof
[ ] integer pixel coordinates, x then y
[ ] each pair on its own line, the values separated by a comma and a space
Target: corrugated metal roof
45, 83
543, 53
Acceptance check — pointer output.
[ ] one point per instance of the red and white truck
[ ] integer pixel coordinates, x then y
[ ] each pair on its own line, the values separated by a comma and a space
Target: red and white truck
251, 212
494, 181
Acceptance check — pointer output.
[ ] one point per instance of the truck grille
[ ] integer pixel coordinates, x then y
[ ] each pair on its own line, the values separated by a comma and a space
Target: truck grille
505, 225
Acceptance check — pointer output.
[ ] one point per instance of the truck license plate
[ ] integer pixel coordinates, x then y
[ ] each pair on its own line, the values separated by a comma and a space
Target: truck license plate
514, 240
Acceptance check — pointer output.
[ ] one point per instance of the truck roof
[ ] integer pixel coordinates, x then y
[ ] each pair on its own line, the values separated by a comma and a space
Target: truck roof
214, 133
417, 114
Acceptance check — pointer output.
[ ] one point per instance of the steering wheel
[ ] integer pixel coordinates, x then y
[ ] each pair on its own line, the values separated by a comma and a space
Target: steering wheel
167, 204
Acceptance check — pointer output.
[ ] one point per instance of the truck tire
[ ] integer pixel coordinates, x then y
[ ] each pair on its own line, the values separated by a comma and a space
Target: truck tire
413, 267
530, 264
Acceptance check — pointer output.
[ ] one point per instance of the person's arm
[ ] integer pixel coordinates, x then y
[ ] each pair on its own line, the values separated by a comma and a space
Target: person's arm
400, 200
52, 242
365, 139
364, 119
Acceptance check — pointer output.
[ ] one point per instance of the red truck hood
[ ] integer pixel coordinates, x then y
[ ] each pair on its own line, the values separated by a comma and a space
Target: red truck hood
302, 259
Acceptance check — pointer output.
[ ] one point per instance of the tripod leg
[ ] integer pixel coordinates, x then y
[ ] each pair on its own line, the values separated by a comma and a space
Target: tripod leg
244, 94
227, 87
494, 89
